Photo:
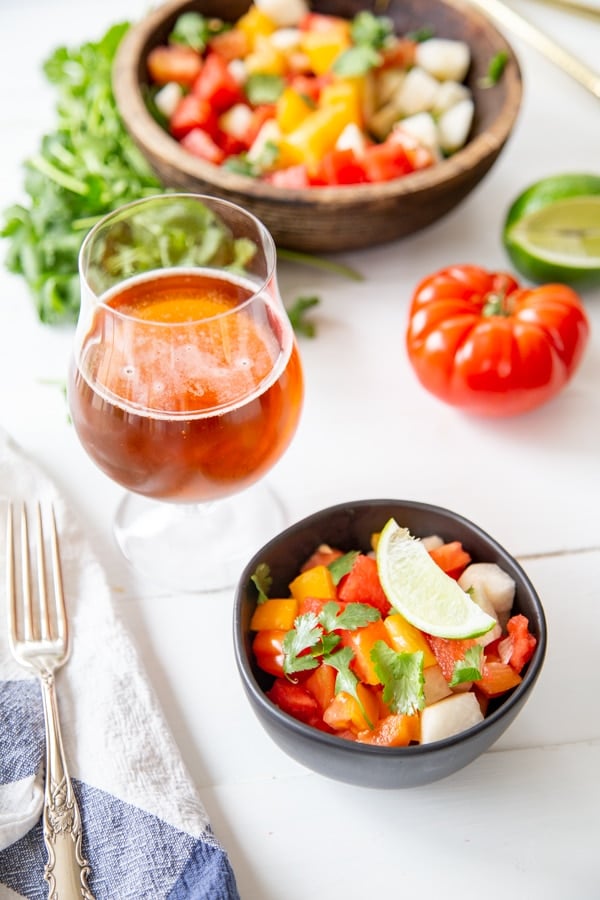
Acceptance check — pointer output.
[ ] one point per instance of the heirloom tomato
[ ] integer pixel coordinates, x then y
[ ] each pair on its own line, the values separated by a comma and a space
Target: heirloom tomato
479, 341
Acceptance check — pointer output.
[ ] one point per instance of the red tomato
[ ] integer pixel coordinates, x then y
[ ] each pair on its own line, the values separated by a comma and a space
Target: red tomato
267, 647
199, 143
192, 112
216, 84
480, 342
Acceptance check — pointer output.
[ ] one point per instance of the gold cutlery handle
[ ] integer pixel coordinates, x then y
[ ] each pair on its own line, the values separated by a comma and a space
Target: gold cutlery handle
66, 870
520, 26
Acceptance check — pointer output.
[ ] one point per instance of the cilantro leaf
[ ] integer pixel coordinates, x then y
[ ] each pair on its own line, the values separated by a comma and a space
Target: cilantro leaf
402, 677
496, 67
192, 29
421, 34
262, 581
367, 28
263, 88
351, 617
297, 315
469, 668
356, 61
305, 635
342, 565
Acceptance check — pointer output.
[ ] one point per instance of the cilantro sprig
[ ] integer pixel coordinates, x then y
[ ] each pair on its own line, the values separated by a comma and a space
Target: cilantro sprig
402, 677
369, 34
469, 668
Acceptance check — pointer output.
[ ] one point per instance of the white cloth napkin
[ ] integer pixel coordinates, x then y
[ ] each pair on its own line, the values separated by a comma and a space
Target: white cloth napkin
146, 833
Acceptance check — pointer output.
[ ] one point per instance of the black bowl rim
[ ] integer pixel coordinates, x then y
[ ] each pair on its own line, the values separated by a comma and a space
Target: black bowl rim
307, 732
159, 143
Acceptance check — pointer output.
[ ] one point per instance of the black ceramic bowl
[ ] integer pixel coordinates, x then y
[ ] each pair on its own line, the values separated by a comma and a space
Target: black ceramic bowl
349, 527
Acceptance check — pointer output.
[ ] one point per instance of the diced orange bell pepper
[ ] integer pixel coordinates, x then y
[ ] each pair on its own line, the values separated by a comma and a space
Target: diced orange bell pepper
451, 557
323, 47
497, 678
321, 684
345, 711
254, 24
265, 57
395, 730
314, 137
408, 639
361, 641
275, 613
291, 109
346, 92
316, 582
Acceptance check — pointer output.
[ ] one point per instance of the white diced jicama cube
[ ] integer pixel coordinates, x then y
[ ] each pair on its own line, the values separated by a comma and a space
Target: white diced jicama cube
352, 138
432, 541
283, 12
449, 94
285, 38
236, 120
478, 594
422, 127
449, 716
445, 59
454, 126
498, 585
417, 92
269, 133
238, 69
435, 685
167, 99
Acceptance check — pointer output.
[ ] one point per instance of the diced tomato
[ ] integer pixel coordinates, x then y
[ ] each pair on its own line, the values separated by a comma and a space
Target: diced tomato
216, 84
174, 63
295, 700
362, 585
361, 641
323, 555
448, 652
309, 85
339, 167
419, 156
517, 648
314, 21
395, 730
230, 144
346, 712
199, 143
230, 44
400, 53
451, 557
384, 162
321, 684
497, 678
192, 112
315, 605
260, 115
267, 647
292, 177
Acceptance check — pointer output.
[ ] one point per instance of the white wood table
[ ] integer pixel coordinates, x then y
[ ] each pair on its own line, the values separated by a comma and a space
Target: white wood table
523, 820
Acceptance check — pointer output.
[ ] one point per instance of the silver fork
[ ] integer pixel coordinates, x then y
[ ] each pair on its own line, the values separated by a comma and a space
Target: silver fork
39, 639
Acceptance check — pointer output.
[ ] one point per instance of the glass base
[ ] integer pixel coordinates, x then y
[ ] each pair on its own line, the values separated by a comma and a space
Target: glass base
196, 547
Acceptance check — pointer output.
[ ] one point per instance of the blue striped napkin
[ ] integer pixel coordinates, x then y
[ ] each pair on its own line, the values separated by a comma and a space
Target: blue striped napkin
146, 833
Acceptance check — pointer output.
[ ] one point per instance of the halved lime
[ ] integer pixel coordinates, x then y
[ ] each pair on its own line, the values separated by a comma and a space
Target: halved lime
552, 230
421, 592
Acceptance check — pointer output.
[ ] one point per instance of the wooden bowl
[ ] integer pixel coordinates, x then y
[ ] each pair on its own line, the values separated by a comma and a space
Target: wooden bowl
331, 219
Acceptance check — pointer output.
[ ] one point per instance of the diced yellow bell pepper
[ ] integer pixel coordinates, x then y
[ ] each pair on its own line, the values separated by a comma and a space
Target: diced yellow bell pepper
265, 58
255, 23
275, 613
291, 109
314, 137
316, 582
408, 639
346, 93
323, 47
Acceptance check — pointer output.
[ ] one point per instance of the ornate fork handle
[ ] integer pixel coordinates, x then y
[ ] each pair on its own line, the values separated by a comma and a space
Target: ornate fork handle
66, 870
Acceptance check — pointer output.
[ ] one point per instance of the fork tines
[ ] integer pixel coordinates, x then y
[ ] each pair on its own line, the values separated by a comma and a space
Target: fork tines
41, 614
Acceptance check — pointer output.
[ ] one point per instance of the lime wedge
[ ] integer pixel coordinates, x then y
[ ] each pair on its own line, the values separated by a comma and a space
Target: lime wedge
552, 230
421, 592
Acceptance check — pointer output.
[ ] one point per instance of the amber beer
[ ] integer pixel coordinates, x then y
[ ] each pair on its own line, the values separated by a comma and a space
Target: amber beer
187, 386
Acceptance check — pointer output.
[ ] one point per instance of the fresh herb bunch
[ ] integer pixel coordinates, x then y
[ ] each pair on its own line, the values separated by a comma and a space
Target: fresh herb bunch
85, 168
